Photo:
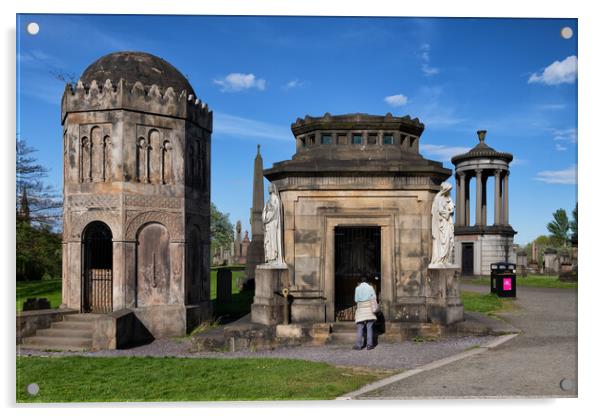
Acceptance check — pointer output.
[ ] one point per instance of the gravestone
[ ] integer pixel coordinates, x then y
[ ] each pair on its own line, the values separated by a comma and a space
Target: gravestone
224, 285
36, 304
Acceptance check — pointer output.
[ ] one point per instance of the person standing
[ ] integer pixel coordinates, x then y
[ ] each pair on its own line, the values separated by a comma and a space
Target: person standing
364, 316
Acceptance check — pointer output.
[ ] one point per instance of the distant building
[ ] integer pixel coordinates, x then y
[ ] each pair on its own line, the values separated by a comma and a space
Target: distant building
478, 243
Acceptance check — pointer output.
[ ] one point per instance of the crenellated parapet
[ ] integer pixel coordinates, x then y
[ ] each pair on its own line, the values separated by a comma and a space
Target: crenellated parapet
99, 96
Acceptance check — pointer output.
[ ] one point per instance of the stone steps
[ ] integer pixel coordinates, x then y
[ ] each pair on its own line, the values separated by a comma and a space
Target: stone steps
65, 333
74, 333
57, 343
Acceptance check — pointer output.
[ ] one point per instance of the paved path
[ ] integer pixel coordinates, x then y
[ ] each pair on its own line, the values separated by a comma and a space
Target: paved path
531, 364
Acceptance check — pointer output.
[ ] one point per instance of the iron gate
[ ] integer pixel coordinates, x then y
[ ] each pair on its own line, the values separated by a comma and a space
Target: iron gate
357, 255
98, 269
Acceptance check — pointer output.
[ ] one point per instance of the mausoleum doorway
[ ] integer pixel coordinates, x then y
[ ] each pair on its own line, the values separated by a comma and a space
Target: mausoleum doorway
467, 259
98, 268
357, 254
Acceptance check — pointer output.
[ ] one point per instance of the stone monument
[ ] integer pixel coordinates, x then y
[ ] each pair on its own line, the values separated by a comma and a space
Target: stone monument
356, 201
443, 295
136, 146
481, 243
255, 253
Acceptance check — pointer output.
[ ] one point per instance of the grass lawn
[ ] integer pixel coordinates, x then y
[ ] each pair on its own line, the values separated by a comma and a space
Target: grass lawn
485, 303
50, 289
133, 379
528, 281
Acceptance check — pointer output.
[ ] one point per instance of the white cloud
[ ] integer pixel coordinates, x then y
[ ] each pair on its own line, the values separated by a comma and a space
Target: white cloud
235, 126
441, 152
396, 100
294, 83
565, 135
564, 72
429, 70
560, 147
566, 176
552, 106
425, 56
238, 82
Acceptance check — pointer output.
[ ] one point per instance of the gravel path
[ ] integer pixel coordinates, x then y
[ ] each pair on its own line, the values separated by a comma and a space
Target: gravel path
531, 364
386, 356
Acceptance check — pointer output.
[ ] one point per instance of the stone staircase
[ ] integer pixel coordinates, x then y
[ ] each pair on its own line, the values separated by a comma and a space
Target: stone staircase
73, 333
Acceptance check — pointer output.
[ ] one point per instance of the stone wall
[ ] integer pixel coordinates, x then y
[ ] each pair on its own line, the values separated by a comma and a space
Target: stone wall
310, 217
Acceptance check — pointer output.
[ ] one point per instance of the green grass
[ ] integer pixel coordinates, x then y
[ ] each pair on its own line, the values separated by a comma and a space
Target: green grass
485, 303
133, 379
528, 281
50, 289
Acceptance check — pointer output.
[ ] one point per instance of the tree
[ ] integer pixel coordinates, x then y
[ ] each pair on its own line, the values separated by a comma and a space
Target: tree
38, 210
573, 223
37, 202
221, 229
559, 227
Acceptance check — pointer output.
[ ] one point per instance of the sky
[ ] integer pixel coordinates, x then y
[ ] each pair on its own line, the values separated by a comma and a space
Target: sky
515, 78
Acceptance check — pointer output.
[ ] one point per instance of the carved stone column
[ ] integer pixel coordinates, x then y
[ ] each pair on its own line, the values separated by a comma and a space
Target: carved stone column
458, 222
484, 199
506, 207
497, 198
461, 216
467, 200
479, 209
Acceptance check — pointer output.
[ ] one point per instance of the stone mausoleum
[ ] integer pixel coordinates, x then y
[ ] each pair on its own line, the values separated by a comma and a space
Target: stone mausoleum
136, 145
480, 242
356, 201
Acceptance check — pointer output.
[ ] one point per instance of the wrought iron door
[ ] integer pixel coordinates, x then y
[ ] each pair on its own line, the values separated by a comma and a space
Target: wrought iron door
357, 254
98, 269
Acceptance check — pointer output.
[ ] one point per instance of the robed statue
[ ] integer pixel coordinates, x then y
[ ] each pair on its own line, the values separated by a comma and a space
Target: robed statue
272, 223
442, 227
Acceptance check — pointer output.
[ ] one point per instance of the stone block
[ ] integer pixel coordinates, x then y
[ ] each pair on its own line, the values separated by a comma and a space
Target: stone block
289, 331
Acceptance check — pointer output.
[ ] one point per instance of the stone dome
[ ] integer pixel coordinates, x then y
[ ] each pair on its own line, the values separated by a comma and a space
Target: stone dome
136, 66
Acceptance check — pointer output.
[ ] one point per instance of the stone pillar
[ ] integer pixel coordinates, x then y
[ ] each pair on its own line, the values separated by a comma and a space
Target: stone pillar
467, 200
443, 302
484, 200
506, 207
497, 198
267, 308
119, 281
479, 209
461, 216
458, 222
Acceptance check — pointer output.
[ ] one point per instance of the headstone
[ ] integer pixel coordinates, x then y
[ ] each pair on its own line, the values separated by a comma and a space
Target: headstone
36, 304
551, 263
224, 285
521, 262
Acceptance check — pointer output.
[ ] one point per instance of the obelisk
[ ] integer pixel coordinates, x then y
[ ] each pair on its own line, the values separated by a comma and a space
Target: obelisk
255, 254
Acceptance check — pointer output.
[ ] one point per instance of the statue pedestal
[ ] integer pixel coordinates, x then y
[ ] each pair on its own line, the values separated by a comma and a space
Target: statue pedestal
443, 302
268, 307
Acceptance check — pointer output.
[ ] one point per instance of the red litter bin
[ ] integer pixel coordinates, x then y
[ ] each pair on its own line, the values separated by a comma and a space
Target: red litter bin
503, 279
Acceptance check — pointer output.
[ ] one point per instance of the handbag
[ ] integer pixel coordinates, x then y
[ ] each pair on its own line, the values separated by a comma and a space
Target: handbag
374, 304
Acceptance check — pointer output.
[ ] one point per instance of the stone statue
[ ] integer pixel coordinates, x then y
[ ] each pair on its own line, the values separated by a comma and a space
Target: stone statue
442, 227
272, 224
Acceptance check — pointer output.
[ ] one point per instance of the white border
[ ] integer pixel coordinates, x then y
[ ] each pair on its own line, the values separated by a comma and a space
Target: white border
590, 69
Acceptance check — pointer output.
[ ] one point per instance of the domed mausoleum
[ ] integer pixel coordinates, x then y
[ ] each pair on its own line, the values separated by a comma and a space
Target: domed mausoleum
136, 193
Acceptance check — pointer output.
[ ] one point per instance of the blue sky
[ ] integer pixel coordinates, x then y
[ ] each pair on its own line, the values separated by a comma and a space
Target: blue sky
515, 78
